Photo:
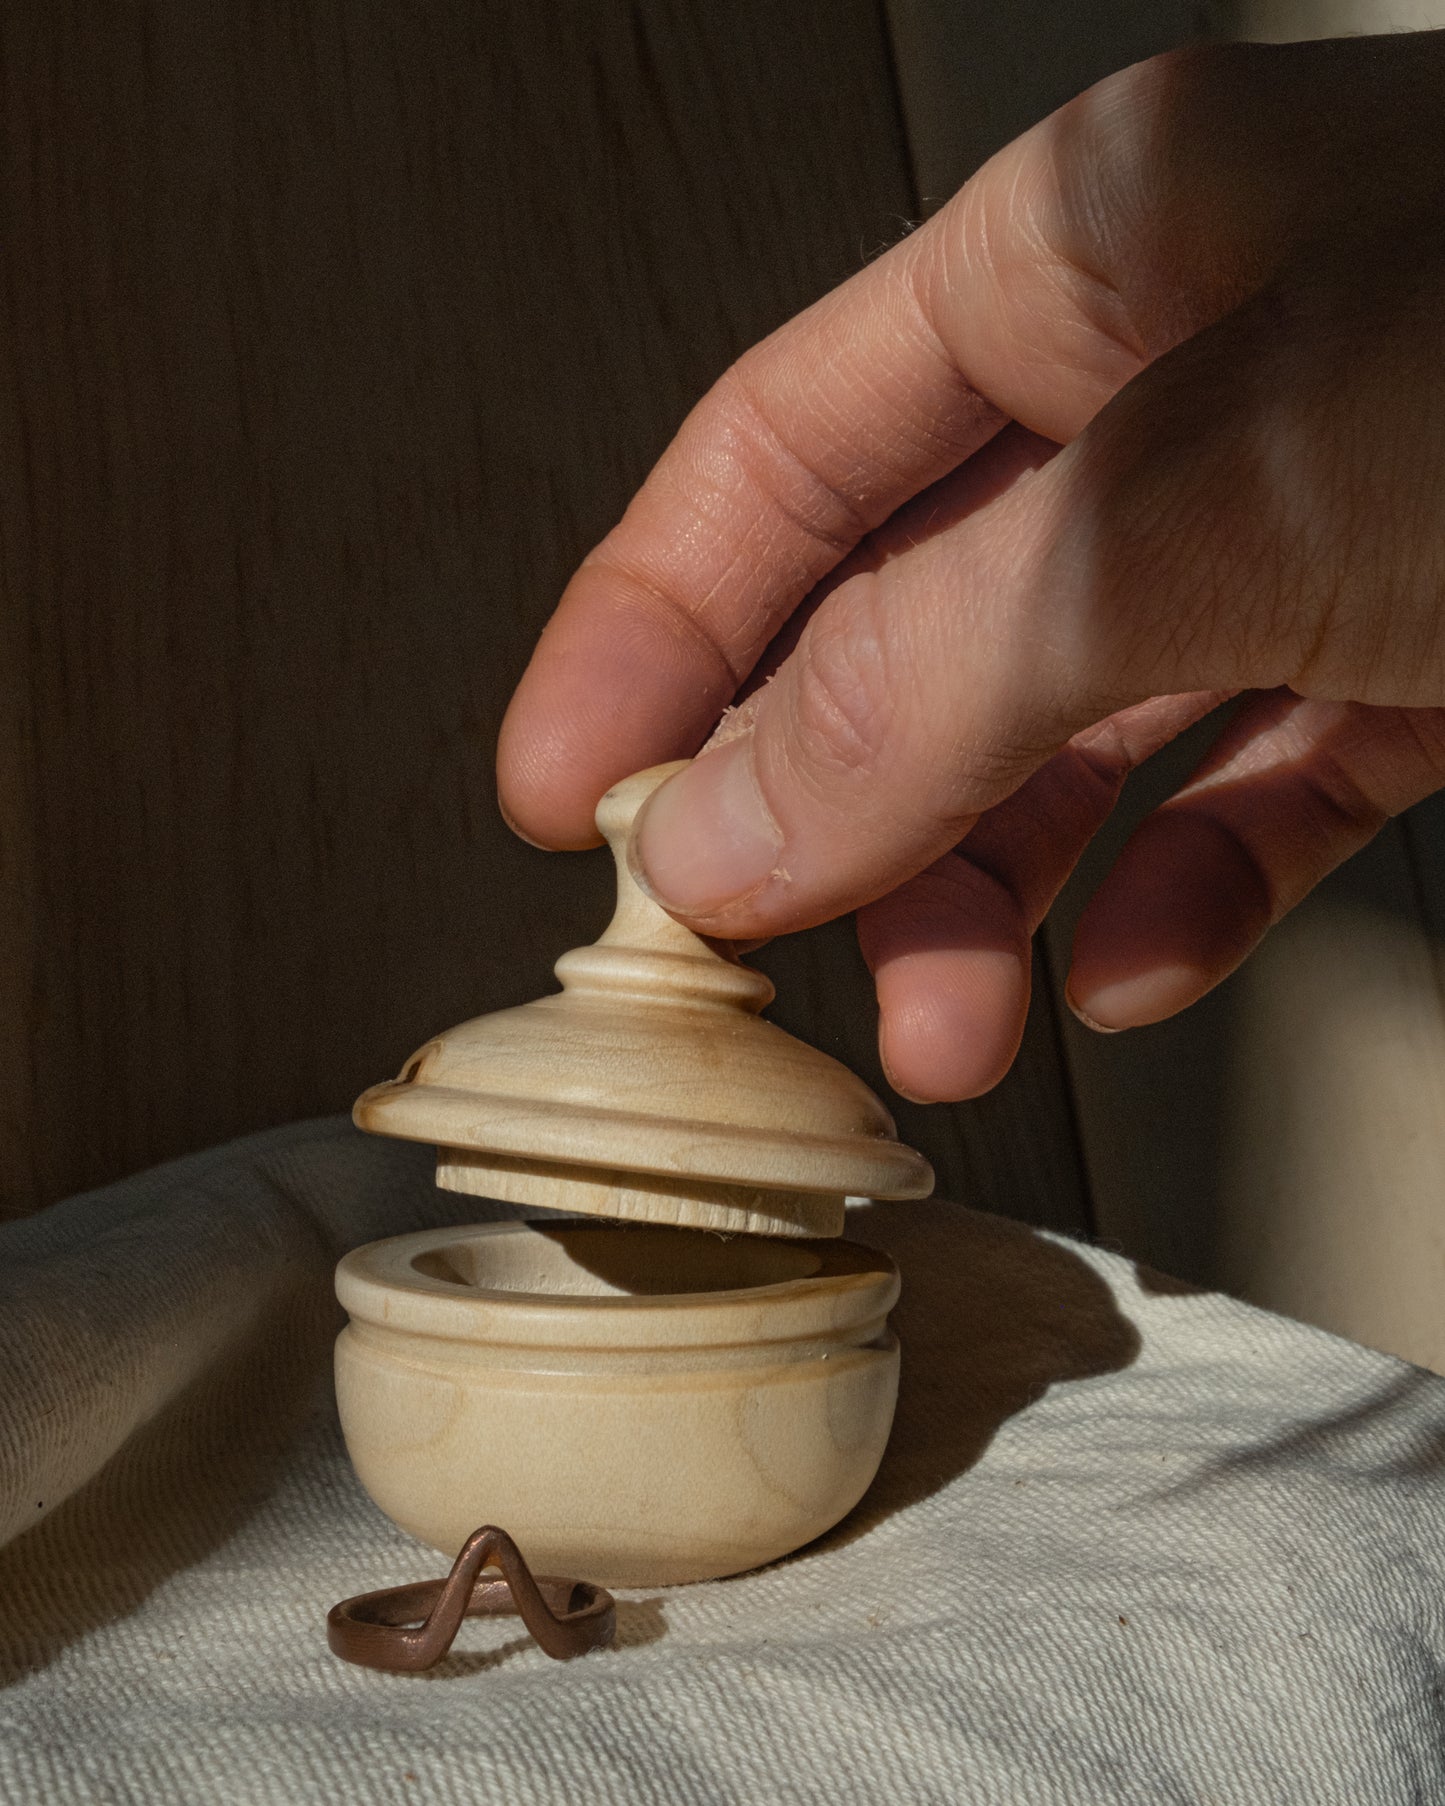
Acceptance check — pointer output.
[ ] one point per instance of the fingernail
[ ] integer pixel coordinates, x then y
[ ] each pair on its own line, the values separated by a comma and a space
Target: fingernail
1135, 1002
520, 834
706, 838
1099, 1028
902, 1090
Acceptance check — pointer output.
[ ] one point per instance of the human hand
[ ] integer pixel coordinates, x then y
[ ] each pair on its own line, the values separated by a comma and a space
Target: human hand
1217, 281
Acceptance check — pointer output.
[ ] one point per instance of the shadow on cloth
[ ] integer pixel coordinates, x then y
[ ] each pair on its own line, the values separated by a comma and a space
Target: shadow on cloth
1397, 1433
218, 1445
992, 1314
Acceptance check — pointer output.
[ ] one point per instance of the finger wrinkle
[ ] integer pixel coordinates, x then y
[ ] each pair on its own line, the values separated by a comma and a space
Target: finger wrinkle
1425, 728
965, 416
1256, 856
841, 521
1085, 282
1122, 742
1015, 297
652, 605
1340, 802
838, 701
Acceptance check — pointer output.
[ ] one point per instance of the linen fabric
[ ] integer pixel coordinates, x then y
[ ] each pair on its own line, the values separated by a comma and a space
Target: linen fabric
1129, 1544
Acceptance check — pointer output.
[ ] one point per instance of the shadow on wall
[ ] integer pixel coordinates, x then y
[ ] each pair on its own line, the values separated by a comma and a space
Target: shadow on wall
1282, 1139
992, 1315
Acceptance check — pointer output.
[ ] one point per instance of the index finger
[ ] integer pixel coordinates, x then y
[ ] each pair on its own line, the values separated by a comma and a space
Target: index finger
995, 309
812, 439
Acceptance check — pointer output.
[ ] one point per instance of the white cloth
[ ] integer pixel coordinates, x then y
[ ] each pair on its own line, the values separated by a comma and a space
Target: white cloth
1129, 1544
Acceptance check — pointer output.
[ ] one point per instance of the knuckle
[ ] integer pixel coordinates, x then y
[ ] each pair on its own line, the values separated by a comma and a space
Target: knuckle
1345, 812
798, 486
841, 698
1091, 770
1376, 763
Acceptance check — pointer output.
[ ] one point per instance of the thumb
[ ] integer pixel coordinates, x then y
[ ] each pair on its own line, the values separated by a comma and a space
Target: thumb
922, 691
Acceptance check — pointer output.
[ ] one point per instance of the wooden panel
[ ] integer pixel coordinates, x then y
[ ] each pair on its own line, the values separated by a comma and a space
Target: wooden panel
336, 335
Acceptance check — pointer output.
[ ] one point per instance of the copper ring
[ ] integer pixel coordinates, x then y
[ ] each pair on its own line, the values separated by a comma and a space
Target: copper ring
405, 1629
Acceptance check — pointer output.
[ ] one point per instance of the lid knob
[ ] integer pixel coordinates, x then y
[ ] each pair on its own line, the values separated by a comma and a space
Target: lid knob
649, 1087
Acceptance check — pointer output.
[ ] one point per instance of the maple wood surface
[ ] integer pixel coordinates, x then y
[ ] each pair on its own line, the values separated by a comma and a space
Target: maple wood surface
645, 1405
649, 1087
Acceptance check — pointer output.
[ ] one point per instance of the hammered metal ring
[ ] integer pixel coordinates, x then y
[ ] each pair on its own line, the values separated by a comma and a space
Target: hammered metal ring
405, 1629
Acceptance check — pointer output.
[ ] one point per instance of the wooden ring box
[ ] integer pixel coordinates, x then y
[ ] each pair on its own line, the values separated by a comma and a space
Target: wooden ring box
638, 1400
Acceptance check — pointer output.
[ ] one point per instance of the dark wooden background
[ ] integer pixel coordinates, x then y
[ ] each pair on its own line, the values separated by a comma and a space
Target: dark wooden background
334, 335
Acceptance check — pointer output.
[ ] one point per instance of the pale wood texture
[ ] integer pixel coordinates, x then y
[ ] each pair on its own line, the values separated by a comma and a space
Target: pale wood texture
643, 1406
648, 1087
337, 335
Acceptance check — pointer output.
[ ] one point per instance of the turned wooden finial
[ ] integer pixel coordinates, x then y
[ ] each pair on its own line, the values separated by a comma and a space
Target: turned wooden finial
643, 952
649, 1087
